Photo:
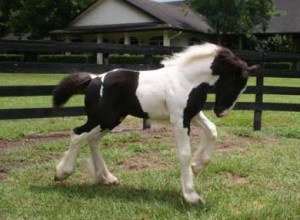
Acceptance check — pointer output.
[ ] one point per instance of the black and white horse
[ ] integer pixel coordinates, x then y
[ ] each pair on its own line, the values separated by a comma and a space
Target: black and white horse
176, 93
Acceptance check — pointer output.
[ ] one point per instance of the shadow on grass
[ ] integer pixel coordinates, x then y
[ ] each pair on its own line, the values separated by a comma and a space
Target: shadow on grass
124, 193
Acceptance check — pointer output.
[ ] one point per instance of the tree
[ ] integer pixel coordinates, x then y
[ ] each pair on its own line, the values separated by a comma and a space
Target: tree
236, 16
5, 8
38, 17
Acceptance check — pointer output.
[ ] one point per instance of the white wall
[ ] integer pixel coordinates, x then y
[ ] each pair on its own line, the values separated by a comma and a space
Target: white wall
109, 12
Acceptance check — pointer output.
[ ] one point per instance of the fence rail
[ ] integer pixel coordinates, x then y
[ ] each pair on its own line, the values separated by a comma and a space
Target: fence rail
259, 90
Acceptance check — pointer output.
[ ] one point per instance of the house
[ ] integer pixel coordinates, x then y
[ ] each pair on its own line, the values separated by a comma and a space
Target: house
140, 22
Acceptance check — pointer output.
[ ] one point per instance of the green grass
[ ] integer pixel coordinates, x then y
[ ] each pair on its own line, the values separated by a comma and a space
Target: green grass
17, 79
258, 181
252, 175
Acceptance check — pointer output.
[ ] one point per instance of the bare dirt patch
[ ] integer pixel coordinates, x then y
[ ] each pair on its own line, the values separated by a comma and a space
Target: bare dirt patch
234, 179
33, 139
142, 161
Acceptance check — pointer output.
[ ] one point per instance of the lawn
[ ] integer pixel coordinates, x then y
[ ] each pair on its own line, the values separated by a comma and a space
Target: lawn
252, 175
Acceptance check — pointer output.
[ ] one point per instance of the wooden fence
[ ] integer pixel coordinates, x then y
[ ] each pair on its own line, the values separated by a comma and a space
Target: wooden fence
259, 90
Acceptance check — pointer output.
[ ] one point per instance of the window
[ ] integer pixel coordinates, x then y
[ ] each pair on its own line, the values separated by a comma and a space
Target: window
194, 40
156, 41
133, 41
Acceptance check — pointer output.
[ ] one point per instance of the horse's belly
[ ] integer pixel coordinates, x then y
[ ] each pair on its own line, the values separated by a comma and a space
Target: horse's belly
155, 107
153, 103
151, 93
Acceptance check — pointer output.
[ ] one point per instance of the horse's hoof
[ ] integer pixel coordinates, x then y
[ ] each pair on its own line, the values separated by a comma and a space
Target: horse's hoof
194, 199
112, 182
109, 179
60, 176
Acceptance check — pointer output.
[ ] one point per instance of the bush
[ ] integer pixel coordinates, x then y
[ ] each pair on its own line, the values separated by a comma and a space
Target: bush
61, 58
277, 43
11, 57
279, 65
131, 59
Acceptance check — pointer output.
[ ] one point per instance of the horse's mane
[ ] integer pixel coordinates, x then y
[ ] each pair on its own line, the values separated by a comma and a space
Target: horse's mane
191, 53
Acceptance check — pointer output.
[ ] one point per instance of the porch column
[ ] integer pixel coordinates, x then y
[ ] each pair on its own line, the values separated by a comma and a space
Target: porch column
99, 55
67, 40
166, 38
126, 38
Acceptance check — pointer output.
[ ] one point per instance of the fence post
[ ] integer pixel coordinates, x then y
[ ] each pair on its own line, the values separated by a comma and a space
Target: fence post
259, 96
148, 60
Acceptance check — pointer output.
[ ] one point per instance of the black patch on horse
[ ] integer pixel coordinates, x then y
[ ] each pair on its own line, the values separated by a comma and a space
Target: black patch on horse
117, 101
232, 78
195, 104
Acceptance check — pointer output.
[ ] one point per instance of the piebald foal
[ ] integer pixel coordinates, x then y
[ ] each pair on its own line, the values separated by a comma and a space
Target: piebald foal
177, 93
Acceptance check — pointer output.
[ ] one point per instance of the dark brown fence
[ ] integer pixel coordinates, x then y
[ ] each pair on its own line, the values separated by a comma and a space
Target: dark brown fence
259, 90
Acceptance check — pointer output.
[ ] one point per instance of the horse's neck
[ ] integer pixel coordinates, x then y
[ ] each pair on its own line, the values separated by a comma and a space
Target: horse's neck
199, 71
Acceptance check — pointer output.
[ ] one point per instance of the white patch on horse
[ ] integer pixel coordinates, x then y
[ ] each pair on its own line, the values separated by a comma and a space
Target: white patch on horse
169, 87
93, 76
102, 84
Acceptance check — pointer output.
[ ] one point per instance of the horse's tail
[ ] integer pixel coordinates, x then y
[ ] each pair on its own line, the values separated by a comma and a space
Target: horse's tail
69, 86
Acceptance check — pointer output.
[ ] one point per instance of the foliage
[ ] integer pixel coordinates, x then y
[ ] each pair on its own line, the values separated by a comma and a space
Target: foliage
236, 16
279, 65
60, 58
277, 43
6, 6
131, 59
11, 57
38, 17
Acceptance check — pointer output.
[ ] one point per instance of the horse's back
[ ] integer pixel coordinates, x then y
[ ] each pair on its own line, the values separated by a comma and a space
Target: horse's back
112, 96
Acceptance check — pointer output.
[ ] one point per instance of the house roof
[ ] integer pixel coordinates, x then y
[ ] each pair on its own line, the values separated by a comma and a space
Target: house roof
178, 3
289, 21
176, 16
166, 16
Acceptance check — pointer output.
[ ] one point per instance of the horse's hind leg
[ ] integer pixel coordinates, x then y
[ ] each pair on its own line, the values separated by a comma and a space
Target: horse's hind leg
203, 153
66, 166
97, 165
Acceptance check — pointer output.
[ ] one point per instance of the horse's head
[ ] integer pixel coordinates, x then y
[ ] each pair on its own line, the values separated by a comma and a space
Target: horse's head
233, 76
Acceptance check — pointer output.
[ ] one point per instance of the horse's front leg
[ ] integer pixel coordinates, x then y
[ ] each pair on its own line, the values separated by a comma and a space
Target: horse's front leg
185, 156
203, 152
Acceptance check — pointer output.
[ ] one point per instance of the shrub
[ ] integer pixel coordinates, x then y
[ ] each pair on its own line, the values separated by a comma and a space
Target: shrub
277, 43
11, 57
279, 65
61, 58
131, 59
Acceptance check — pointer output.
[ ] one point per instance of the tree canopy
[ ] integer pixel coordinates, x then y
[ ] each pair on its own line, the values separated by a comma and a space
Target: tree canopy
38, 17
236, 16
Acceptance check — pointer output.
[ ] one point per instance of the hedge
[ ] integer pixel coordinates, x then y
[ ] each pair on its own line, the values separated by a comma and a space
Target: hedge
61, 58
279, 65
11, 57
131, 59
